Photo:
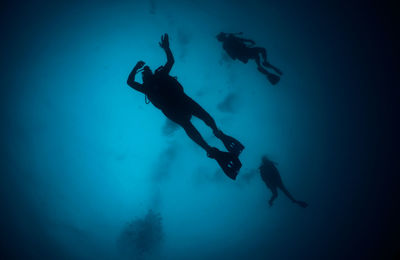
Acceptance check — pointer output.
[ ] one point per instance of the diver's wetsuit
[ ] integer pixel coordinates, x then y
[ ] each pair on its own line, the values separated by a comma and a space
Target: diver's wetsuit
270, 175
237, 49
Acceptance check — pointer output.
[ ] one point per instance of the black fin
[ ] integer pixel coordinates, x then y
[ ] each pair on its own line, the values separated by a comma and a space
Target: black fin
274, 79
228, 162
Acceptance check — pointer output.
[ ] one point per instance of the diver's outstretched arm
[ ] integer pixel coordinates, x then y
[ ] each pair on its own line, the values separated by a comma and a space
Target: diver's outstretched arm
170, 58
131, 79
248, 40
287, 193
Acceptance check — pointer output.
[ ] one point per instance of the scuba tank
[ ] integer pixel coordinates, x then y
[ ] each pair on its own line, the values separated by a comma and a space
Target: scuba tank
164, 90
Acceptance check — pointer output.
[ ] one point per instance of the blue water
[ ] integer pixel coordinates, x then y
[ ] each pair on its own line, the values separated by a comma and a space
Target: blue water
83, 155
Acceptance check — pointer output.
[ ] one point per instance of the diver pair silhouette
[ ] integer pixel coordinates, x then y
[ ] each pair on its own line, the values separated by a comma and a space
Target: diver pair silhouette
271, 177
238, 48
167, 94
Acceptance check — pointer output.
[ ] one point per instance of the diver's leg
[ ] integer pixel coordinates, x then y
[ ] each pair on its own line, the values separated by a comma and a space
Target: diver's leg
263, 53
192, 132
230, 143
271, 77
274, 195
199, 112
259, 67
287, 193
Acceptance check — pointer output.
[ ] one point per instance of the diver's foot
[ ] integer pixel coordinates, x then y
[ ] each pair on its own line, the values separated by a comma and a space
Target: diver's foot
231, 144
274, 79
302, 204
270, 203
229, 163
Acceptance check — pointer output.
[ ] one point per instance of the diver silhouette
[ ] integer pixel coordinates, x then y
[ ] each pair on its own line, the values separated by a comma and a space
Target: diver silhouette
166, 93
238, 49
271, 177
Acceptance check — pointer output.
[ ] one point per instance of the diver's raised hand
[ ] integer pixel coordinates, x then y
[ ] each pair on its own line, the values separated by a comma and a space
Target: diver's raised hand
139, 64
164, 41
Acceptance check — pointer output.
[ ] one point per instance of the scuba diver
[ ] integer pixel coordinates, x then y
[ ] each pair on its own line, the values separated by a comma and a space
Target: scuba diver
270, 175
237, 48
167, 94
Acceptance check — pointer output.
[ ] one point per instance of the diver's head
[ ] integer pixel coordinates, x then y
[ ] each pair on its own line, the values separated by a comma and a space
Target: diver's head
146, 73
221, 36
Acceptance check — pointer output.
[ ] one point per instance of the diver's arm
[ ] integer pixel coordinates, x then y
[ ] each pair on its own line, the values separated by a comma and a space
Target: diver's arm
170, 58
131, 79
248, 40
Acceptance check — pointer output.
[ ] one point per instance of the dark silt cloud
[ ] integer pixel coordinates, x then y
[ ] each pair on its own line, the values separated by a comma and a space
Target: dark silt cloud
183, 38
142, 236
229, 104
169, 128
162, 169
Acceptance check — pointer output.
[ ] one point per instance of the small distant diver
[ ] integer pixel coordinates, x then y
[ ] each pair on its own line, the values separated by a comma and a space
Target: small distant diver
271, 177
237, 48
166, 93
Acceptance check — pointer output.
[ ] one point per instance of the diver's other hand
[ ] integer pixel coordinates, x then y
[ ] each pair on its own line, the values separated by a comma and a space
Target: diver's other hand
164, 41
139, 64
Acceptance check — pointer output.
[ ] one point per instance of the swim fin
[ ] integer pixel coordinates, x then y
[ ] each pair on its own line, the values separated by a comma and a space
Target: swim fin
274, 79
231, 144
229, 163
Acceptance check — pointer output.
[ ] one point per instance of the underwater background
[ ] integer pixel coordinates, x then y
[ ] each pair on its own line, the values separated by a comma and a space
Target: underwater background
89, 171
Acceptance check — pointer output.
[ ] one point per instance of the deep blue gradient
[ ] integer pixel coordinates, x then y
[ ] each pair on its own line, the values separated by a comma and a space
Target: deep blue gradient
82, 154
